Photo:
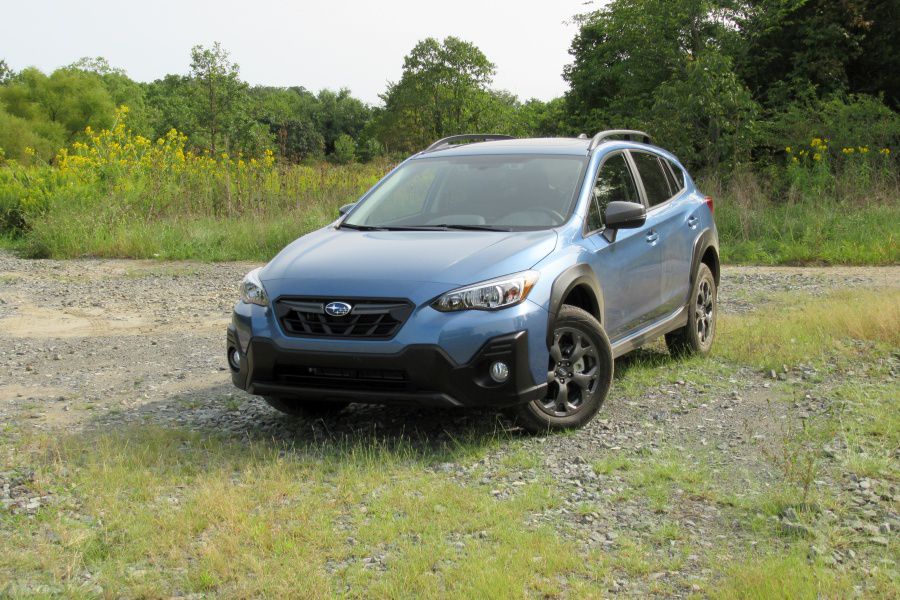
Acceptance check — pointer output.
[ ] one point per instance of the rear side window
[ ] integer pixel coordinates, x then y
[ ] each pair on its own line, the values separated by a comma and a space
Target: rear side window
655, 183
614, 183
679, 175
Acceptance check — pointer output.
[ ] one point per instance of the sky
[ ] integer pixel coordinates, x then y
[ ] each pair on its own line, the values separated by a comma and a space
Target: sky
351, 43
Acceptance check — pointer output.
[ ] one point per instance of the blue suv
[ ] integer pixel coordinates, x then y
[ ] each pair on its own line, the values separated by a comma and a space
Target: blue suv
486, 271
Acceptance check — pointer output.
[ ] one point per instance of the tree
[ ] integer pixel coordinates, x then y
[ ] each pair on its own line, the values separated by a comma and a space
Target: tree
123, 90
5, 72
344, 149
172, 105
794, 47
705, 115
221, 95
626, 50
441, 92
70, 98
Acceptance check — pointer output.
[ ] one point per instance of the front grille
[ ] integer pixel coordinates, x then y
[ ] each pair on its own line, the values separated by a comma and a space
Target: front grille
367, 319
342, 378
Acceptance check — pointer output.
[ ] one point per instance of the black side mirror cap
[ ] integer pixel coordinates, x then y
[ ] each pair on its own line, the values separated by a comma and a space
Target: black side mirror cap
625, 215
346, 208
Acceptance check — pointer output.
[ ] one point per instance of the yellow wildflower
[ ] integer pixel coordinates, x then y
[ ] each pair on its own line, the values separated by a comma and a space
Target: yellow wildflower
817, 156
863, 149
885, 151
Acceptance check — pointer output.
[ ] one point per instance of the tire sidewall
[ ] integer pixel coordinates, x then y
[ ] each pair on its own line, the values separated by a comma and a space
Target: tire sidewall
703, 274
577, 318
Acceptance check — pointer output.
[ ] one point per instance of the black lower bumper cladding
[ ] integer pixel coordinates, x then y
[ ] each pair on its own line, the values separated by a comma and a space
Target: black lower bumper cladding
421, 374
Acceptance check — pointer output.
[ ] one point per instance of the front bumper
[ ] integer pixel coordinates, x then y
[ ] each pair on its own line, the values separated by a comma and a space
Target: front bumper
417, 374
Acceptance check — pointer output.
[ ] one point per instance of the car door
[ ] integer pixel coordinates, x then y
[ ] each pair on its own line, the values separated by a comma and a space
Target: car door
669, 215
627, 261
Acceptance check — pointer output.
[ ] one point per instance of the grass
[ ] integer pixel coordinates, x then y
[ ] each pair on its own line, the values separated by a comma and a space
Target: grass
172, 512
796, 329
151, 512
823, 214
119, 196
823, 231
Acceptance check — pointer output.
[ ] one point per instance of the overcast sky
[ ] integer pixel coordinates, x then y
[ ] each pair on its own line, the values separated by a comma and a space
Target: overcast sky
317, 44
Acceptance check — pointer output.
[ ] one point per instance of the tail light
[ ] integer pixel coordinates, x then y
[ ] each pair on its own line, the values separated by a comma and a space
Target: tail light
709, 203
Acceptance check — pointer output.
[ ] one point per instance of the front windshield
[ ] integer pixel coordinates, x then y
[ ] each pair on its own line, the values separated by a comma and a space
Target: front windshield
505, 192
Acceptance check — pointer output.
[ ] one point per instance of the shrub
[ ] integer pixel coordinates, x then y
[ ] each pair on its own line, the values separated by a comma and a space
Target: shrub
344, 149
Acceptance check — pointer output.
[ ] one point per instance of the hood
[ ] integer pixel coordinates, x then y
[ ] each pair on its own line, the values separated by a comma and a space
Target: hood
410, 264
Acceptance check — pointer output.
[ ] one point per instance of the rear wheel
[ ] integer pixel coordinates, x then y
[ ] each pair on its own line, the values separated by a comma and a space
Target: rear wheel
579, 374
696, 338
301, 408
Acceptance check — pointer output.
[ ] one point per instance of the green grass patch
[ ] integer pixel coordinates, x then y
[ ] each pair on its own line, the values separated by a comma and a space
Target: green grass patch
821, 232
798, 329
166, 512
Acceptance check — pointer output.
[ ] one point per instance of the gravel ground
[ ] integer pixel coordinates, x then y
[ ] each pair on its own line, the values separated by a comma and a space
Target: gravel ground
103, 343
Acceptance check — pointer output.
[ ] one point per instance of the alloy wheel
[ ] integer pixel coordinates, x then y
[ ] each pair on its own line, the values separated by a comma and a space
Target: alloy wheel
704, 311
572, 373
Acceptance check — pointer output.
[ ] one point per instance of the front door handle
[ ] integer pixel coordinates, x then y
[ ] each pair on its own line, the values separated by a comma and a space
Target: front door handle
692, 221
652, 236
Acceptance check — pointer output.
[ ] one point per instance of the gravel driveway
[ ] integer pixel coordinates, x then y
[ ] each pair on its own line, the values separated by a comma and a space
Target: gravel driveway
102, 343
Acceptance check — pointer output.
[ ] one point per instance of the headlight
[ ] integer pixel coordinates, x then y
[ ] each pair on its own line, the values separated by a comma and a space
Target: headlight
252, 290
489, 295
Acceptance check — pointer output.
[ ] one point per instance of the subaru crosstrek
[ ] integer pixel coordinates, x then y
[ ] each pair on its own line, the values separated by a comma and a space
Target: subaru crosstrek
486, 271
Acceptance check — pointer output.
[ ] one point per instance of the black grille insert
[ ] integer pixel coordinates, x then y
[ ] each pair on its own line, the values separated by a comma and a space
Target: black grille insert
380, 318
342, 378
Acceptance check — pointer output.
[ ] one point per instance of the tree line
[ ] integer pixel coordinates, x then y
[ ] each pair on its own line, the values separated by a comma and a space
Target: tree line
721, 82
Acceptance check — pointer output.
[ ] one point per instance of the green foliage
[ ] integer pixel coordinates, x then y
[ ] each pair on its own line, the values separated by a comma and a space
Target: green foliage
48, 111
5, 72
727, 82
705, 116
219, 94
443, 90
344, 149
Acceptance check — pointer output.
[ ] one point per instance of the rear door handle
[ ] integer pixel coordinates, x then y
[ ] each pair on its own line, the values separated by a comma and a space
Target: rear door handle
692, 221
652, 236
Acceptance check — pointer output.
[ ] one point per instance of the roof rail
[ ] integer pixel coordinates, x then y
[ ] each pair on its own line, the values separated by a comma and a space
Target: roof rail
626, 133
473, 137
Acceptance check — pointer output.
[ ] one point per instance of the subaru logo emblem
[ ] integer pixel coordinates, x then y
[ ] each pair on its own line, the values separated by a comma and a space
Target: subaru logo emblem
338, 309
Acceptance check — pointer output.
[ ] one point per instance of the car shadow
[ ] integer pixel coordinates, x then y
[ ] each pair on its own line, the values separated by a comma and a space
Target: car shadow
641, 358
426, 434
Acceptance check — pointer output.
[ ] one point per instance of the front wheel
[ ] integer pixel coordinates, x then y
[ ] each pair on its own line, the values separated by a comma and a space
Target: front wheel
696, 338
579, 374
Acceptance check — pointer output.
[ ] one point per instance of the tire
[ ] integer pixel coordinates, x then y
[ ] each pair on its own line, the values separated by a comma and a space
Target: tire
299, 408
575, 331
696, 338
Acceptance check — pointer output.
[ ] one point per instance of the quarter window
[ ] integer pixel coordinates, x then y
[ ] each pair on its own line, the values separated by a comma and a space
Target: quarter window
614, 183
679, 176
654, 179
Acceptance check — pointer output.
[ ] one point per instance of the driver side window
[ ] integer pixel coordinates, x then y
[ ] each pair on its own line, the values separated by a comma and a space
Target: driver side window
614, 183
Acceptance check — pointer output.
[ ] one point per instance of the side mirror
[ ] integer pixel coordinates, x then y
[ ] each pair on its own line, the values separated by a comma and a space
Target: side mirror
625, 215
346, 208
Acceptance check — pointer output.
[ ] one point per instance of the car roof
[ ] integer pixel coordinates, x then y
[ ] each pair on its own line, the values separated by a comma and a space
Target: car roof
563, 146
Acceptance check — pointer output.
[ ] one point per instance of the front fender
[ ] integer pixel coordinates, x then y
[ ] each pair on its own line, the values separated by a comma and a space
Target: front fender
568, 280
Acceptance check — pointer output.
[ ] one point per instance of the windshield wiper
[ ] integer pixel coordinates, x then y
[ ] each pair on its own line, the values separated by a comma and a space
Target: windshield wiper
360, 227
463, 227
394, 227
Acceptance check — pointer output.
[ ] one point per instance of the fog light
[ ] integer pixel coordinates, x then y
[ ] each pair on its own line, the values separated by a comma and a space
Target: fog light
499, 372
234, 359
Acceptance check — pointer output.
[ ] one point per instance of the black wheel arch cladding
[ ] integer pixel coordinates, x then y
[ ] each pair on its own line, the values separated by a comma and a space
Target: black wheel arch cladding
579, 278
707, 241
